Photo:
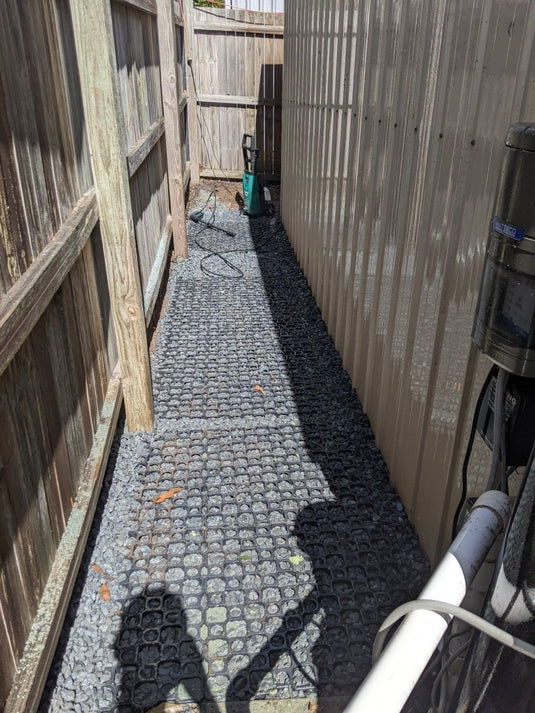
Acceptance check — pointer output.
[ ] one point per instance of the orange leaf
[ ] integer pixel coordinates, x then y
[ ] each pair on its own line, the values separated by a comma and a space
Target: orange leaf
259, 388
167, 495
105, 592
99, 569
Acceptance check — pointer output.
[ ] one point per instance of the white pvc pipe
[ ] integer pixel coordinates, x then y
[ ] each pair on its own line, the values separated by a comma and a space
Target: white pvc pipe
397, 670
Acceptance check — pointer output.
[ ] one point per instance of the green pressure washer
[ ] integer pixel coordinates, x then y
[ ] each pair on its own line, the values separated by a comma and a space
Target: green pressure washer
253, 195
256, 198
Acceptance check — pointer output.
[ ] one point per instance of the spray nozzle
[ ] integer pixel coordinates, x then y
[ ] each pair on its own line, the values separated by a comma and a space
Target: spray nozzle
196, 215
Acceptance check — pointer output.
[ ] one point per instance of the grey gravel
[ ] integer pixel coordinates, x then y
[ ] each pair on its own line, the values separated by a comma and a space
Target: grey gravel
267, 574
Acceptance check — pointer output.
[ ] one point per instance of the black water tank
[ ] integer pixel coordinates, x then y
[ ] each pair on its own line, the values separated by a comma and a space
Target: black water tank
504, 323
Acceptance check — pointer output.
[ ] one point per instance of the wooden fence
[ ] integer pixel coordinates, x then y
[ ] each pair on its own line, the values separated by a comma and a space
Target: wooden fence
237, 60
76, 79
394, 121
262, 5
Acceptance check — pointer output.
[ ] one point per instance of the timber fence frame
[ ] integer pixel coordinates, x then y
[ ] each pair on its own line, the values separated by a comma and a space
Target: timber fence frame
59, 409
235, 59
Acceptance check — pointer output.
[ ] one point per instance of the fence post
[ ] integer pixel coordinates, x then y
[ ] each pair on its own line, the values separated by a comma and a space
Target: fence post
95, 49
175, 169
192, 65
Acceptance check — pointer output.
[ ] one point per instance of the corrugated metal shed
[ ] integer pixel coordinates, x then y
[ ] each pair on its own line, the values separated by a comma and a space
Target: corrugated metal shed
394, 116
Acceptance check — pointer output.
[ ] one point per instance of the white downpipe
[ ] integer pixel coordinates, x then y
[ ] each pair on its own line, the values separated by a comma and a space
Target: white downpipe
398, 668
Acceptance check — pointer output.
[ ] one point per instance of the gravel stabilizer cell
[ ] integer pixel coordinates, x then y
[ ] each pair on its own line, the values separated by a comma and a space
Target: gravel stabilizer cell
248, 548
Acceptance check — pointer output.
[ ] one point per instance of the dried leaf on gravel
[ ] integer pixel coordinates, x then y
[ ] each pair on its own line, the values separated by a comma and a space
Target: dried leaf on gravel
260, 389
101, 571
296, 559
105, 592
165, 496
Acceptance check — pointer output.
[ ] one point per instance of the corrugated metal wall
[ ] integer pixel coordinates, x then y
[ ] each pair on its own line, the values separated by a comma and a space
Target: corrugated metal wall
394, 116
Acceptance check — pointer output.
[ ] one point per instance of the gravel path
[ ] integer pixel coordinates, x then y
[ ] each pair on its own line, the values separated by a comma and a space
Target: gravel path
278, 545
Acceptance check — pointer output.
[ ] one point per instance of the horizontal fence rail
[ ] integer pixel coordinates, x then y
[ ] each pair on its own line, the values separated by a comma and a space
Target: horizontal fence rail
394, 120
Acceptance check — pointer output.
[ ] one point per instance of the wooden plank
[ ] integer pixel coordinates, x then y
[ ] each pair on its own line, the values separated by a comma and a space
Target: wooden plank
158, 269
175, 169
193, 125
136, 47
21, 522
95, 255
44, 70
154, 83
141, 198
16, 250
124, 73
69, 120
187, 176
26, 301
73, 101
100, 362
225, 99
150, 206
148, 6
240, 27
58, 483
21, 115
217, 173
92, 25
8, 661
68, 381
87, 332
144, 146
41, 644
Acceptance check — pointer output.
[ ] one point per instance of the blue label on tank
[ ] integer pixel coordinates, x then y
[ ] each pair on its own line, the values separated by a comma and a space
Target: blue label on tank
508, 230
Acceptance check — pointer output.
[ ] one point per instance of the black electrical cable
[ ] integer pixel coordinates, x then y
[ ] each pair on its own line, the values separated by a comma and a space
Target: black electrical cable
504, 483
210, 225
498, 469
444, 659
236, 272
493, 371
438, 658
443, 669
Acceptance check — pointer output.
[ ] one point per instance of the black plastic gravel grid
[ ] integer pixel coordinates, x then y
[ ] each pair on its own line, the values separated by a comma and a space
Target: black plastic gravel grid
267, 574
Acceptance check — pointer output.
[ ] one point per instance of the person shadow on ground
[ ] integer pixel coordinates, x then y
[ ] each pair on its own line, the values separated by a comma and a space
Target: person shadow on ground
156, 654
337, 620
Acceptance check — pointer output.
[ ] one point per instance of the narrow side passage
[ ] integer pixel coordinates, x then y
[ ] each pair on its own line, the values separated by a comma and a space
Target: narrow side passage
250, 546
